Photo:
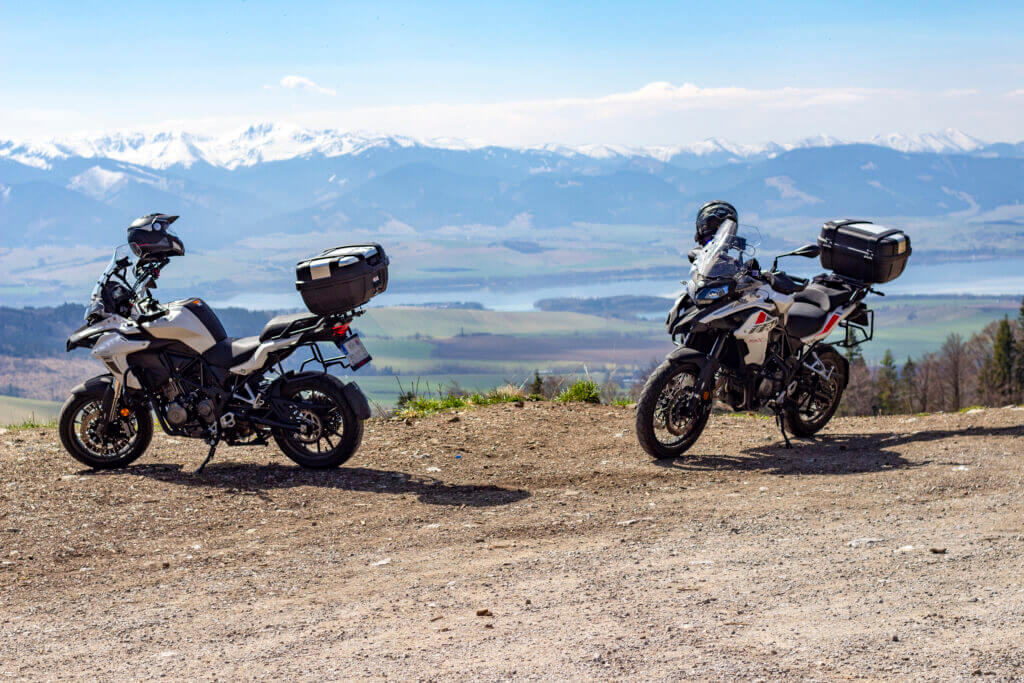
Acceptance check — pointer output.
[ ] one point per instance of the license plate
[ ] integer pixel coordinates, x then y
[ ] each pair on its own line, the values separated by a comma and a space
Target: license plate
355, 351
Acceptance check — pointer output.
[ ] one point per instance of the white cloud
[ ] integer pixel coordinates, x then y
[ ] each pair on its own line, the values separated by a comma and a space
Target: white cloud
1019, 92
303, 83
961, 92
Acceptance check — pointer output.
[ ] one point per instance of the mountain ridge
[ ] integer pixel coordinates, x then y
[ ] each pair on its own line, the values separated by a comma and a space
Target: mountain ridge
269, 142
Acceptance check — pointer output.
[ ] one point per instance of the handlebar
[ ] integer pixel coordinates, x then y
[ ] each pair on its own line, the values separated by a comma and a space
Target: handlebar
150, 317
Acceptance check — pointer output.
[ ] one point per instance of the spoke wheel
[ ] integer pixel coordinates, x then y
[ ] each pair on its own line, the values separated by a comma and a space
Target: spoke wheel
90, 439
818, 398
670, 416
329, 432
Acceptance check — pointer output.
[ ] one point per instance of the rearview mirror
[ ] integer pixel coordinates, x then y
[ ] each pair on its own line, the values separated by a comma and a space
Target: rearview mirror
808, 250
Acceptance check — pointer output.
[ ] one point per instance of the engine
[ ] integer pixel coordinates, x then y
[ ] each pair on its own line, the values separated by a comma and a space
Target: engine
190, 411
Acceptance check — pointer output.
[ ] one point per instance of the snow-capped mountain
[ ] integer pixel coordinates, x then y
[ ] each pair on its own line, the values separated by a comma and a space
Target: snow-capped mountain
270, 142
272, 179
944, 142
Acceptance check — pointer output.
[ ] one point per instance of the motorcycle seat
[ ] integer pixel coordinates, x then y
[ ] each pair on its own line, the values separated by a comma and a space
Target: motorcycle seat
826, 298
278, 325
230, 351
804, 319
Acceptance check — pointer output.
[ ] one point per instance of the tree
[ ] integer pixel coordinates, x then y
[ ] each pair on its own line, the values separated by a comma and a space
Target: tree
861, 395
1018, 374
998, 375
537, 386
929, 388
888, 385
910, 390
953, 362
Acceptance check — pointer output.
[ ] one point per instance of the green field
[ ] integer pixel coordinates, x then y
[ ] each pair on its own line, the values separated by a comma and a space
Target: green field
401, 321
17, 410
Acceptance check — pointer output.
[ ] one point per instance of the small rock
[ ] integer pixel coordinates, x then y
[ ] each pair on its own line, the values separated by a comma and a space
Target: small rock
433, 469
904, 549
972, 411
454, 418
937, 551
630, 522
488, 625
961, 468
484, 612
381, 563
895, 638
863, 542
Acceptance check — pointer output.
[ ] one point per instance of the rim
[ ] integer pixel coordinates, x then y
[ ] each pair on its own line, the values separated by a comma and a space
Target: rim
820, 397
116, 442
321, 420
672, 421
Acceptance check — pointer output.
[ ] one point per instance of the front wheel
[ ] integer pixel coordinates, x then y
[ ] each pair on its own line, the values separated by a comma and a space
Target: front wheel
670, 417
817, 398
330, 431
81, 430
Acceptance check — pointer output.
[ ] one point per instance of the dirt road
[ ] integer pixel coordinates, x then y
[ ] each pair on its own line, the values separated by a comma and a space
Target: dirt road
532, 542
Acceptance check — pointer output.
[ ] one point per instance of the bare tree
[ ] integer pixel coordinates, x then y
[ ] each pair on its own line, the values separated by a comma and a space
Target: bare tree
954, 361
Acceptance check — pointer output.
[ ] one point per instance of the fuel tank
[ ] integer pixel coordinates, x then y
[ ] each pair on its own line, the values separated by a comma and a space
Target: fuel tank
189, 321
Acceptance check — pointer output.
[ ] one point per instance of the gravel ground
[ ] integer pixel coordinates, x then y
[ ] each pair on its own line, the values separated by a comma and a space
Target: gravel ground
526, 542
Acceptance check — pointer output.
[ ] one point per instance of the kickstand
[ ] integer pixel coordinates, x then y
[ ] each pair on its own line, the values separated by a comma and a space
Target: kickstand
781, 421
209, 456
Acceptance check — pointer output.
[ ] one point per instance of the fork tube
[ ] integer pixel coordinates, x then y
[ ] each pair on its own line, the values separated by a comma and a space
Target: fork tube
707, 373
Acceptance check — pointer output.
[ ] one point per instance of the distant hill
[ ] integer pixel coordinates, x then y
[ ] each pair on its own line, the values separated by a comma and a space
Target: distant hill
276, 179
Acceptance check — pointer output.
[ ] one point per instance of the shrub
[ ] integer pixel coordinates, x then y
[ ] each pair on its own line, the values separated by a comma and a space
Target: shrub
581, 391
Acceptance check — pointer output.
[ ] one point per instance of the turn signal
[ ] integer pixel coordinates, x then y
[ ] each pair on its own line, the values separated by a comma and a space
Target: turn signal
340, 330
125, 412
706, 395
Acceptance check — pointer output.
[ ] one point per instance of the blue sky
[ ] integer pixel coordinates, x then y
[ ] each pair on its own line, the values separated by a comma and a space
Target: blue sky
518, 72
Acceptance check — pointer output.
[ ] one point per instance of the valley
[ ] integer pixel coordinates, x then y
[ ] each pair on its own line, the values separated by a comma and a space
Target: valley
437, 349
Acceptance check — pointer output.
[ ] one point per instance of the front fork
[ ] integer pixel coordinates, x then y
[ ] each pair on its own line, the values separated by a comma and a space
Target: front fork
108, 408
704, 388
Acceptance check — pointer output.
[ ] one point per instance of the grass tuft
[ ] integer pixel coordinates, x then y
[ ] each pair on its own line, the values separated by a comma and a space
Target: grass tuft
581, 391
420, 405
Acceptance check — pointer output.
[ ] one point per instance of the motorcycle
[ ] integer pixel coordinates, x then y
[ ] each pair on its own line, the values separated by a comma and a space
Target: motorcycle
175, 362
754, 339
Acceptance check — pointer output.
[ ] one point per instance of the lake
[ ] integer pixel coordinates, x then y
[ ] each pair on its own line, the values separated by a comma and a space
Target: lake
960, 277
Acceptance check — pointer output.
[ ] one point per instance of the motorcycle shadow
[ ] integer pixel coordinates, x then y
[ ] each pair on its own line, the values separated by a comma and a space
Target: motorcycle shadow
829, 454
259, 479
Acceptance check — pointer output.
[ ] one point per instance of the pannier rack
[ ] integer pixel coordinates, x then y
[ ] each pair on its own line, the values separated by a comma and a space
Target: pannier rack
858, 332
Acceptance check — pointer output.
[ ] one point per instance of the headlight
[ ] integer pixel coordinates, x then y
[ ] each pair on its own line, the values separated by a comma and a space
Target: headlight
95, 307
709, 294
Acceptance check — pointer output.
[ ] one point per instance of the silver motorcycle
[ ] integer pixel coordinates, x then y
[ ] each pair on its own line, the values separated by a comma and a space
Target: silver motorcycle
753, 339
175, 362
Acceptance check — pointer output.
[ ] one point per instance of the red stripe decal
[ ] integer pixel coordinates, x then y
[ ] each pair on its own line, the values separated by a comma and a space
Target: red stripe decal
831, 321
761, 317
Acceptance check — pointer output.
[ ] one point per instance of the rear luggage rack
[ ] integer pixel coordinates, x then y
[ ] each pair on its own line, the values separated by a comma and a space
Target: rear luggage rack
859, 327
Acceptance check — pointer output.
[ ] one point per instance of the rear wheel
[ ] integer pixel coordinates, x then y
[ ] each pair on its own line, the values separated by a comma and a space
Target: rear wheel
670, 417
817, 398
331, 432
92, 441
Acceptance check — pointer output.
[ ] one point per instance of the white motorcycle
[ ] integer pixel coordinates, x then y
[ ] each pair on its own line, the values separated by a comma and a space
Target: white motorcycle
174, 361
754, 339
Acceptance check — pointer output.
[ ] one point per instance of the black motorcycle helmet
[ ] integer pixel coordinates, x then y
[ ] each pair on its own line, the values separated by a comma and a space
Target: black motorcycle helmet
150, 237
710, 217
